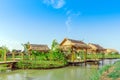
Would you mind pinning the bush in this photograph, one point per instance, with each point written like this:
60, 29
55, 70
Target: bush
39, 64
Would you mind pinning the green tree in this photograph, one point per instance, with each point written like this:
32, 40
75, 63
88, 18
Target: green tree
3, 52
55, 45
26, 49
56, 54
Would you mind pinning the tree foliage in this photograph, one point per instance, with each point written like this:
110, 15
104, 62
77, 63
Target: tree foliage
55, 45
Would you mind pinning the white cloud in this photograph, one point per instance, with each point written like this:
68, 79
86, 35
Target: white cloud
68, 24
55, 3
69, 20
68, 12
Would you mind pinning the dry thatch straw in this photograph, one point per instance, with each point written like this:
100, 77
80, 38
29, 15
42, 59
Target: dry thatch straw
39, 47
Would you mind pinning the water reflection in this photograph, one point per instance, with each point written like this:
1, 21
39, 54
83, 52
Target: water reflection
80, 72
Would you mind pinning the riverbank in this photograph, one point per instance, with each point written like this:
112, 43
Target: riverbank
108, 72
3, 68
113, 73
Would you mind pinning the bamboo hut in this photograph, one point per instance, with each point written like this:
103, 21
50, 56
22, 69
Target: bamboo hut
17, 52
95, 48
111, 51
74, 46
39, 47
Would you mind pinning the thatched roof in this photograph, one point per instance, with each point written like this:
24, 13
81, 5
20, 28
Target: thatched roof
76, 43
95, 47
111, 51
39, 47
16, 52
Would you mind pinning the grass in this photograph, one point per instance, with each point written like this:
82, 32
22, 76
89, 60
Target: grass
3, 68
99, 73
116, 72
100, 56
33, 64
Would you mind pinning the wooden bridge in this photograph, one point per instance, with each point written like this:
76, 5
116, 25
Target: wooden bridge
10, 64
77, 62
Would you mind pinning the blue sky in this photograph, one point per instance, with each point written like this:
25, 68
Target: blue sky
41, 21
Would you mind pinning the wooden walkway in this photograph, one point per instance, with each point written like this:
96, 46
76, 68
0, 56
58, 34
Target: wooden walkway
10, 64
76, 62
7, 62
93, 60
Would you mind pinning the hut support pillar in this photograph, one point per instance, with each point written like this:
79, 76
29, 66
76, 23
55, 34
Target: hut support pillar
103, 56
5, 57
13, 56
22, 56
96, 56
85, 59
73, 55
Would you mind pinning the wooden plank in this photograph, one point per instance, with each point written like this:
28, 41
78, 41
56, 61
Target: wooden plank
6, 62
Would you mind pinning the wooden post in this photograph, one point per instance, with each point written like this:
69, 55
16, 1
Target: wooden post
72, 55
5, 55
13, 56
22, 56
85, 59
96, 56
29, 54
103, 58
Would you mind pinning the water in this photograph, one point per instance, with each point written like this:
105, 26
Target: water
67, 73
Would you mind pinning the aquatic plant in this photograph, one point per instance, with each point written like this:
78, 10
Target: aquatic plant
98, 74
116, 72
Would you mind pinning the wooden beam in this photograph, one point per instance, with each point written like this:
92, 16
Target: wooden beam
72, 54
5, 55
85, 56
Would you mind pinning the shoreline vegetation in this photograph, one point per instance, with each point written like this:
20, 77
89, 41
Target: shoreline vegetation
108, 72
3, 68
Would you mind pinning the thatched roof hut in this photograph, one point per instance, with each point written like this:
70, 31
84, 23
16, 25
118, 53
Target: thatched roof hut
74, 46
95, 47
16, 52
39, 47
111, 51
74, 43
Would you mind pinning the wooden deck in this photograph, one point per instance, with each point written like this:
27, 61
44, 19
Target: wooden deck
93, 60
76, 62
10, 64
7, 62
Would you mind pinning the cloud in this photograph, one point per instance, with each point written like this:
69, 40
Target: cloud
69, 19
55, 3
68, 12
68, 23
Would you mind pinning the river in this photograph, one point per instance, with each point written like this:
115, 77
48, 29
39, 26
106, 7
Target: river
80, 72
